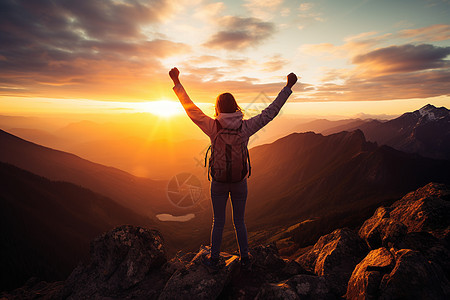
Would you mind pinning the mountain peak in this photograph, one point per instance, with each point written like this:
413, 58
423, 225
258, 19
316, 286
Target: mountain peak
428, 107
433, 113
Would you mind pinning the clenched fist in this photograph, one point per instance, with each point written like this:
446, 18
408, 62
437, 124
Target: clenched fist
174, 73
291, 80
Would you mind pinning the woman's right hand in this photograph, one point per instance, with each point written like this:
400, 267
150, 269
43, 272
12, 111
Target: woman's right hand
174, 73
291, 80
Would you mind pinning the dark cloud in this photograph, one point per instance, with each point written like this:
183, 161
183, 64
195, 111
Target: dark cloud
405, 58
50, 43
396, 72
240, 33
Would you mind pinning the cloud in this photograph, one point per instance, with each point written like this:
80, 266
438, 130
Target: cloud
354, 45
275, 63
264, 9
70, 48
405, 58
240, 33
209, 11
433, 33
307, 13
305, 6
394, 72
387, 87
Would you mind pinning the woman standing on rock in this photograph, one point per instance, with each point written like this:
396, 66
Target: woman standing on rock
228, 167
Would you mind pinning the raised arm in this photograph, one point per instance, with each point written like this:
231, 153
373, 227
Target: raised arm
257, 122
205, 123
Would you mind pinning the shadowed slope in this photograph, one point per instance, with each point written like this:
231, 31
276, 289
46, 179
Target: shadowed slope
47, 225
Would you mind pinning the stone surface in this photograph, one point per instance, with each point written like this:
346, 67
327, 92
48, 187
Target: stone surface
426, 209
119, 259
311, 287
366, 277
268, 267
277, 291
196, 281
334, 256
381, 230
297, 287
35, 289
413, 277
432, 248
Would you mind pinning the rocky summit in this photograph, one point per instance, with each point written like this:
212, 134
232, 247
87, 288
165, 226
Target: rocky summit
401, 252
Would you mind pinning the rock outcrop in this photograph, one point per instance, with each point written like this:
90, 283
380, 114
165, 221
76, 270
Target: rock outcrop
426, 209
403, 274
334, 257
120, 260
195, 281
367, 275
410, 251
401, 252
298, 287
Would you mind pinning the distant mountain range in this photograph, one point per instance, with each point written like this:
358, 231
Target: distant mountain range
425, 131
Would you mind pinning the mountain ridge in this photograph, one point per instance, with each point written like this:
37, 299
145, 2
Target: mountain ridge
59, 165
425, 131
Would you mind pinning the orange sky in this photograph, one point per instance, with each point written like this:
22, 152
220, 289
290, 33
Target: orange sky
72, 57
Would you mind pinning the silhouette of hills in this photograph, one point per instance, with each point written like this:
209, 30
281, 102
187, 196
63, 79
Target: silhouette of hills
47, 225
39, 136
143, 195
326, 126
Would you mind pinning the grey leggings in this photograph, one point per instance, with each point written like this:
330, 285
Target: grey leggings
219, 197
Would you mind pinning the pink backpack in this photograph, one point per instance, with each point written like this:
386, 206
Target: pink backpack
229, 155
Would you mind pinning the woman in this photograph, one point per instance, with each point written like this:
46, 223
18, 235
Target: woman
230, 116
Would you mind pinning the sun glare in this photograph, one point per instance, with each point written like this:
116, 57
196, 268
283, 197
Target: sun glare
163, 108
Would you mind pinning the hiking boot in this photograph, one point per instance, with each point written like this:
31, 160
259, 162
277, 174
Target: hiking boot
246, 263
211, 263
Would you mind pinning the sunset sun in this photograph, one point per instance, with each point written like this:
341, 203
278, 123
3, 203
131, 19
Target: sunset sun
163, 108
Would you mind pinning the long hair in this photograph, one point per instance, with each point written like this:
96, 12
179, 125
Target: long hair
225, 103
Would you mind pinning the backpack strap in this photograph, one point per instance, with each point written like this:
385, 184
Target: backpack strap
219, 127
206, 155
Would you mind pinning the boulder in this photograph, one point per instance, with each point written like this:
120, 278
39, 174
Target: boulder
432, 248
34, 289
414, 277
430, 214
277, 291
297, 287
424, 210
268, 267
311, 287
119, 259
381, 230
267, 257
334, 256
196, 281
366, 277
